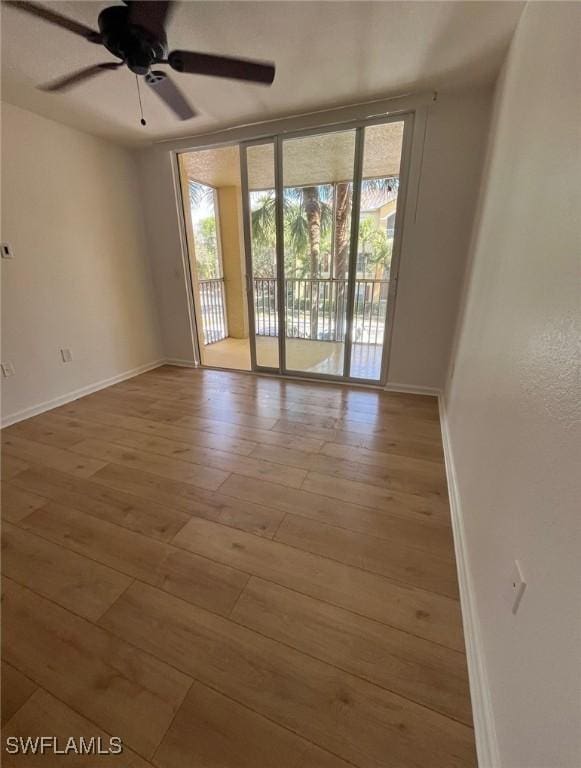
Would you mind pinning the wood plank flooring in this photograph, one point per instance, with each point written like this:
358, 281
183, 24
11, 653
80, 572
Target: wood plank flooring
232, 571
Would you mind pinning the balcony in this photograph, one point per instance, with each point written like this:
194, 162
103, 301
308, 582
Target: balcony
315, 326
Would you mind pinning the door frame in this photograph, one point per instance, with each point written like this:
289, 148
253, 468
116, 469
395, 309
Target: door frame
243, 146
191, 259
277, 140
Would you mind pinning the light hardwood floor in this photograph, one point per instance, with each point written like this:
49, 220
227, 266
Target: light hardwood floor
233, 571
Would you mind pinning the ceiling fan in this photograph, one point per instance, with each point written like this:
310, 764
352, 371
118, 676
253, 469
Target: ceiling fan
135, 34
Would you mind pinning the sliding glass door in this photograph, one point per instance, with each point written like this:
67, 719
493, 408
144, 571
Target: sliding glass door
375, 268
317, 201
260, 237
322, 230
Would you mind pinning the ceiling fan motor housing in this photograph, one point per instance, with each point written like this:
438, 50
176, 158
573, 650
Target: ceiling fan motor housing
137, 46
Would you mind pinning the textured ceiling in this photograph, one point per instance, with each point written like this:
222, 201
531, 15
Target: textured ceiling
216, 167
316, 159
327, 54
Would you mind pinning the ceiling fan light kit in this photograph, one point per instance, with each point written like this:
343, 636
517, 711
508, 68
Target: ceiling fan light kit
135, 34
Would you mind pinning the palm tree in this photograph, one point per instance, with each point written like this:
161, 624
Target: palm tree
263, 231
307, 218
341, 239
204, 230
343, 197
342, 233
200, 194
375, 247
341, 250
312, 207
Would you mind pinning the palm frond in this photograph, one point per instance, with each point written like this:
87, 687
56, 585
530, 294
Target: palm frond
263, 219
200, 194
297, 228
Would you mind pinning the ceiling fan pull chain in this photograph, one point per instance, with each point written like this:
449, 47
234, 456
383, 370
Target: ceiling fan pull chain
140, 104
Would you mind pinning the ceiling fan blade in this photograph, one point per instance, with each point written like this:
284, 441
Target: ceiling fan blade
63, 83
149, 14
170, 94
55, 18
222, 66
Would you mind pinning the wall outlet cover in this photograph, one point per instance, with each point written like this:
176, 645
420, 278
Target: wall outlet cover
66, 355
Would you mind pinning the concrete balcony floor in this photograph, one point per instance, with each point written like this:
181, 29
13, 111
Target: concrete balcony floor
302, 355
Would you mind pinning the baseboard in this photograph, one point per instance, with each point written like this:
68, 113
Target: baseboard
484, 727
34, 410
180, 363
390, 387
412, 389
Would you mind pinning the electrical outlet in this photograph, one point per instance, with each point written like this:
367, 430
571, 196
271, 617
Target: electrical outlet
6, 251
517, 585
66, 355
7, 370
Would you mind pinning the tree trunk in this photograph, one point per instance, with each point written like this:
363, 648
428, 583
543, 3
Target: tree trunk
341, 252
313, 212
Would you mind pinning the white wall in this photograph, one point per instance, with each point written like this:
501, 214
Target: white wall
80, 278
514, 400
436, 239
435, 248
165, 252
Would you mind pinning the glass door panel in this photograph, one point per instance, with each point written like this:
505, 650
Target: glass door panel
209, 271
382, 151
260, 229
317, 202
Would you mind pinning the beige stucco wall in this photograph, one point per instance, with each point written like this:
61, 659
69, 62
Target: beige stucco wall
230, 217
387, 209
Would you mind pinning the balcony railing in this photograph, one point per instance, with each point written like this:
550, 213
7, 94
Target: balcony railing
316, 309
213, 303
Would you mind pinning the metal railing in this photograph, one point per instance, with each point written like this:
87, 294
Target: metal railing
370, 311
316, 309
266, 306
213, 305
